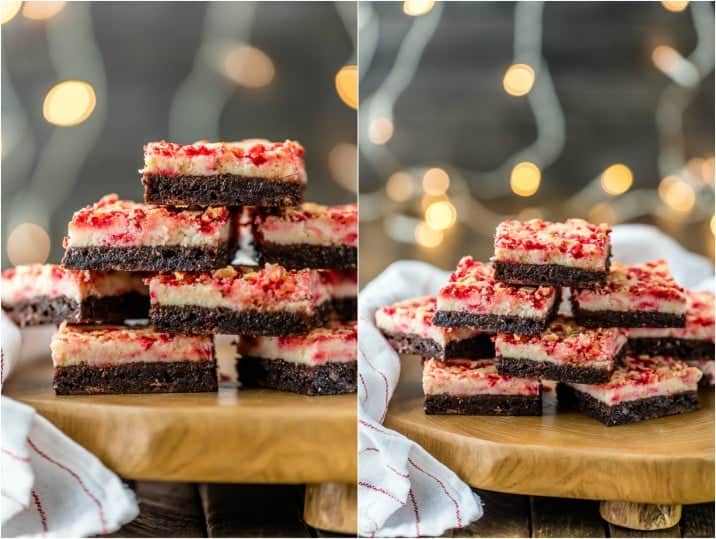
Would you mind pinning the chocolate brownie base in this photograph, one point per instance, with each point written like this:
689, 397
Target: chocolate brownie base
497, 323
527, 368
160, 377
149, 258
549, 274
205, 320
478, 347
114, 309
331, 378
221, 190
629, 411
46, 310
673, 347
626, 319
303, 255
483, 405
345, 309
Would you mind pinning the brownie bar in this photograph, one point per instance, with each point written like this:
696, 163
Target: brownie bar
205, 320
548, 274
478, 347
332, 378
626, 319
510, 405
345, 309
156, 377
629, 411
495, 322
47, 310
299, 256
672, 346
527, 368
221, 190
149, 258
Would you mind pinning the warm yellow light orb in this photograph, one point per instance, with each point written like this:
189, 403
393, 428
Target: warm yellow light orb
28, 243
677, 194
8, 10
380, 130
69, 103
525, 179
675, 5
347, 85
617, 179
603, 213
400, 187
417, 7
518, 79
436, 181
440, 215
249, 67
343, 162
40, 11
427, 236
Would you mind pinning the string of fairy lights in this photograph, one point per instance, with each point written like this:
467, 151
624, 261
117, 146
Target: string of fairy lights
225, 59
421, 202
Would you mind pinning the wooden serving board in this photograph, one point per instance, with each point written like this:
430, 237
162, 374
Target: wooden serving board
566, 454
239, 436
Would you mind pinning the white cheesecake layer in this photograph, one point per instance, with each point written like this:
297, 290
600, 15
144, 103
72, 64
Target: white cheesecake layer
464, 378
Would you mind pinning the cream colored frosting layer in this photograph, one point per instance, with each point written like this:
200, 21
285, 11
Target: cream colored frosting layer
464, 377
49, 280
338, 344
252, 158
99, 346
312, 224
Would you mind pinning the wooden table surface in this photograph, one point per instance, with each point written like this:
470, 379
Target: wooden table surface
225, 510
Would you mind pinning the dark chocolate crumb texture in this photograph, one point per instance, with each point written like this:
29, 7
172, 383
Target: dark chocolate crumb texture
331, 378
507, 405
136, 377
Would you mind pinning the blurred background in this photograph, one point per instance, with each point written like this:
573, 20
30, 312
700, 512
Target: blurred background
473, 112
86, 84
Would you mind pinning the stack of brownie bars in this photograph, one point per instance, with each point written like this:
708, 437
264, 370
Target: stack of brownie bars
170, 260
623, 343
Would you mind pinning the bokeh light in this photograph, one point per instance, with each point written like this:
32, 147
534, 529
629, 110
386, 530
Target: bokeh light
707, 170
675, 5
249, 67
525, 179
380, 130
347, 85
400, 187
40, 11
712, 224
677, 194
518, 79
617, 179
343, 162
8, 10
28, 243
427, 236
69, 103
603, 212
530, 213
417, 7
440, 215
436, 181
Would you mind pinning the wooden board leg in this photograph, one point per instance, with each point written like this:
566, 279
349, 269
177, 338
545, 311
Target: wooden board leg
641, 516
332, 507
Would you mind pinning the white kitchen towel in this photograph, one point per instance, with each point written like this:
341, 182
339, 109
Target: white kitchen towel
51, 486
403, 490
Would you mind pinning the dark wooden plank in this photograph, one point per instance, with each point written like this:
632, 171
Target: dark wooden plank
559, 517
506, 515
253, 510
697, 520
165, 510
618, 531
